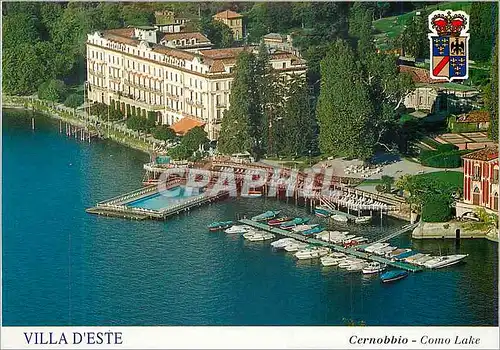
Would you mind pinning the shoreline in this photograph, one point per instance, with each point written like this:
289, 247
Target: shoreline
69, 116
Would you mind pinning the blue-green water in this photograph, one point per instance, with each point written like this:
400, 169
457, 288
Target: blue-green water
62, 266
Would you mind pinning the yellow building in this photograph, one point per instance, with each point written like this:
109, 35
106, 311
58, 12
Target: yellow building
176, 76
233, 20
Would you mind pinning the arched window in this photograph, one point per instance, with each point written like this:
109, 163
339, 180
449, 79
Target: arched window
495, 201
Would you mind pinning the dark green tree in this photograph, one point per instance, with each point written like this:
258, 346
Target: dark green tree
297, 120
73, 100
492, 101
219, 34
52, 90
483, 26
237, 124
163, 132
414, 40
195, 138
344, 107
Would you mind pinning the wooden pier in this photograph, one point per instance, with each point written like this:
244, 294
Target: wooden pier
350, 251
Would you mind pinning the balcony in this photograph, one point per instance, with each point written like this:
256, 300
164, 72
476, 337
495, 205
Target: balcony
220, 105
96, 73
198, 104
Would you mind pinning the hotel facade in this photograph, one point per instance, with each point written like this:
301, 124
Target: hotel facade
177, 76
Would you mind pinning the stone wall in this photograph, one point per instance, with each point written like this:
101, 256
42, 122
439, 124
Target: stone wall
435, 230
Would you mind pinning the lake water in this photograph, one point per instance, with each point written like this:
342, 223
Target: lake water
62, 266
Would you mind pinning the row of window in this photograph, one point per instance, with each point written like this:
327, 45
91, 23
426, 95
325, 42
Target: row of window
477, 173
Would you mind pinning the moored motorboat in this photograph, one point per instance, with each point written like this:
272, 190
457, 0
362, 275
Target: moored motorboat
278, 221
376, 246
219, 225
396, 252
357, 267
350, 261
413, 258
301, 228
268, 215
406, 255
373, 267
384, 251
294, 222
252, 194
339, 218
282, 243
261, 236
444, 261
296, 246
250, 233
323, 212
421, 261
313, 230
312, 253
393, 275
363, 219
237, 229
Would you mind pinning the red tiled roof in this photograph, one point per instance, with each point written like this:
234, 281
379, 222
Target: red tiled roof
185, 124
228, 14
193, 35
127, 32
485, 154
419, 75
474, 117
231, 52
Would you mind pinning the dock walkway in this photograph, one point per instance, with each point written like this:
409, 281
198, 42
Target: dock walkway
350, 251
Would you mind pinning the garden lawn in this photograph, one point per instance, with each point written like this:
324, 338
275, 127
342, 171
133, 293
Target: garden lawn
455, 178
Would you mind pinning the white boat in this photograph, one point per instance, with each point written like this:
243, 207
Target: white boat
296, 246
301, 228
423, 260
415, 257
376, 246
350, 261
444, 261
363, 219
396, 252
312, 253
373, 267
282, 243
340, 218
330, 260
261, 236
250, 233
384, 251
237, 229
357, 267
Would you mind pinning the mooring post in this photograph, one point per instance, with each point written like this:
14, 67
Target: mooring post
32, 123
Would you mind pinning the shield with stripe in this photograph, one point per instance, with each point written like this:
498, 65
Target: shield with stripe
449, 45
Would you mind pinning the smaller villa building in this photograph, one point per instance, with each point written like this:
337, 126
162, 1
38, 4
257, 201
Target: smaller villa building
480, 181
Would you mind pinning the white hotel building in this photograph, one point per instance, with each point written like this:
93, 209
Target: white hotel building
175, 75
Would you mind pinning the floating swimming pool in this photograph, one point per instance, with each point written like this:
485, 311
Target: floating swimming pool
164, 199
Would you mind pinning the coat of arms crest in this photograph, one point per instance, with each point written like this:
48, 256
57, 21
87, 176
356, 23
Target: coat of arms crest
449, 45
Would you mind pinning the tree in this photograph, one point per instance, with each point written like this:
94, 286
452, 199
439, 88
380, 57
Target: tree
360, 27
134, 14
297, 120
492, 101
195, 138
73, 100
483, 18
136, 122
344, 107
163, 132
52, 90
236, 128
180, 152
219, 33
414, 40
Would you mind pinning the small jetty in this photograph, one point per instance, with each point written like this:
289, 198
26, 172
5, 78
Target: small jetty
350, 251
